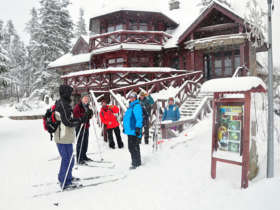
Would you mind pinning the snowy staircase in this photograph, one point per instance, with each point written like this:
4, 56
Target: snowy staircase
189, 107
188, 110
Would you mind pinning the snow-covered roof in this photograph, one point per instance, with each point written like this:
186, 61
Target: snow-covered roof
226, 39
188, 14
125, 46
69, 59
125, 69
232, 84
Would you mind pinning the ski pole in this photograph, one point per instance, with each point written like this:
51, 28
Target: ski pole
98, 145
81, 144
71, 159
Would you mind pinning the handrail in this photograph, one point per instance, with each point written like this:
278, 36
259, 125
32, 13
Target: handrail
96, 107
203, 108
238, 69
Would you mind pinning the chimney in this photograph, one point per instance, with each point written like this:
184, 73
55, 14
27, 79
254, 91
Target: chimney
174, 4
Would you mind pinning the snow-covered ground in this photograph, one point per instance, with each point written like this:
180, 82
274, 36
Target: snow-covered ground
177, 176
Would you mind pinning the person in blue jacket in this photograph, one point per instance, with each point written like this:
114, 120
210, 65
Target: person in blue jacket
132, 125
172, 111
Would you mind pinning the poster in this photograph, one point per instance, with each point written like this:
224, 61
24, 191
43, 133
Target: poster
229, 128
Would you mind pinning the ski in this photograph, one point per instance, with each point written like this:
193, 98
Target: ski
99, 165
81, 179
82, 186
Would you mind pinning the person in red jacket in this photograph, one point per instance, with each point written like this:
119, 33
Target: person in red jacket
110, 120
82, 144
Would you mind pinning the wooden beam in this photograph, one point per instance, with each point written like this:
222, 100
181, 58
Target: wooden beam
217, 27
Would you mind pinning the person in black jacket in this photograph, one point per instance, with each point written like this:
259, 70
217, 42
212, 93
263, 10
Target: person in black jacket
65, 134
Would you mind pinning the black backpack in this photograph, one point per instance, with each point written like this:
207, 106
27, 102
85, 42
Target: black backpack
49, 121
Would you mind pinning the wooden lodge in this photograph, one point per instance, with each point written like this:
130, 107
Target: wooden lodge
131, 46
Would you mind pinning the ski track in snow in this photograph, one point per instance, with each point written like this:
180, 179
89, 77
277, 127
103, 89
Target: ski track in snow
177, 176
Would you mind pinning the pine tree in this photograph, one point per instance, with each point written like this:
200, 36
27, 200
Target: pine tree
80, 27
255, 22
50, 29
56, 29
3, 53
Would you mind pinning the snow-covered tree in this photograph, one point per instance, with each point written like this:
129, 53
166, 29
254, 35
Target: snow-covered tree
255, 22
80, 27
205, 3
15, 50
3, 58
56, 29
50, 29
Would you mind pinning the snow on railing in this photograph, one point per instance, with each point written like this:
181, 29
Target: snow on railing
96, 107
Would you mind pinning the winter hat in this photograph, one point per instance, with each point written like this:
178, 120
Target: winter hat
171, 99
142, 94
132, 95
65, 91
84, 94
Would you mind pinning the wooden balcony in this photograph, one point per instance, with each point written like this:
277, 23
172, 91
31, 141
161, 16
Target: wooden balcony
128, 36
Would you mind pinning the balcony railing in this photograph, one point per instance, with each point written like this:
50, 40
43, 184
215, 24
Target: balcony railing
127, 36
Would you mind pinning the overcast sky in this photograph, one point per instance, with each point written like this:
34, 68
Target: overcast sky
19, 12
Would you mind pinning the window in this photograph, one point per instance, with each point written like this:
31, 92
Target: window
218, 65
236, 59
120, 60
111, 61
175, 62
139, 61
143, 27
228, 64
224, 64
111, 28
115, 62
119, 27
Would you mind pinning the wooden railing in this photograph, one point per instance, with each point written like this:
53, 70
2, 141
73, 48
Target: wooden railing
201, 111
189, 88
128, 36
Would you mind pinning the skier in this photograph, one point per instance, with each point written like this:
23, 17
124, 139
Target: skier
111, 123
146, 102
132, 124
82, 144
172, 111
65, 134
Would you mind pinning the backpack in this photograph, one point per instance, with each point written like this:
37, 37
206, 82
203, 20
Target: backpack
49, 121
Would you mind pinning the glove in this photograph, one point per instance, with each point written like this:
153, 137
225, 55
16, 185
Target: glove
90, 114
137, 131
84, 119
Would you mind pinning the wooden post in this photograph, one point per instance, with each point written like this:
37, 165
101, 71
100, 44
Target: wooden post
246, 141
213, 160
213, 168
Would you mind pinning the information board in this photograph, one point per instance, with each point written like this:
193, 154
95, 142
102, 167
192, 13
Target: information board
229, 128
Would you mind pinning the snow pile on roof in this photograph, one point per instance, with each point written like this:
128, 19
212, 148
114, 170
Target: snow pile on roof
184, 16
124, 69
124, 46
69, 59
234, 84
119, 5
